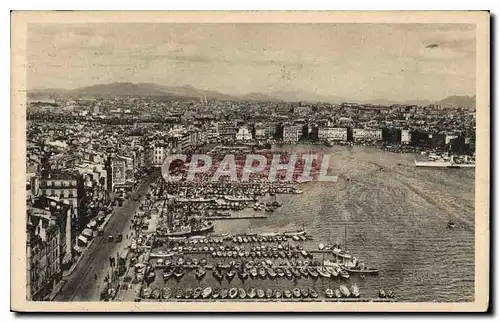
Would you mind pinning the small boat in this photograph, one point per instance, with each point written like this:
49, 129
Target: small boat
251, 293
450, 224
243, 274
217, 275
188, 294
206, 292
323, 272
179, 294
345, 291
233, 292
295, 272
197, 293
304, 253
262, 272
303, 272
287, 293
296, 293
179, 273
230, 275
203, 261
381, 293
215, 293
224, 293
253, 272
242, 293
333, 272
269, 293
294, 233
337, 293
329, 293
355, 290
390, 294
321, 246
344, 274
260, 293
240, 240
245, 240
278, 293
271, 272
313, 293
200, 273
168, 274
303, 238
304, 292
280, 272
312, 272
166, 293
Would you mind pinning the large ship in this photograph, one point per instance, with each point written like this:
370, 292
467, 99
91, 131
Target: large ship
442, 163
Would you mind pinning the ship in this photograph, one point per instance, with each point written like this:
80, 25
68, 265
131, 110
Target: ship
441, 163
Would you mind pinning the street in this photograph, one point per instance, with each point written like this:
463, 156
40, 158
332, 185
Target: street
82, 285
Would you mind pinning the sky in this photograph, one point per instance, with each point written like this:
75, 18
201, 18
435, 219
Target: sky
353, 61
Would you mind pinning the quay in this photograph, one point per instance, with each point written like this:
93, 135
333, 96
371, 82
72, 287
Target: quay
317, 300
237, 217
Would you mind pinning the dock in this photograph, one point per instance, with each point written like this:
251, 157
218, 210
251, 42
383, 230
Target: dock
236, 217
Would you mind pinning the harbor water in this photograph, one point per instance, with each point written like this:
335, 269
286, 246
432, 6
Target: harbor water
395, 215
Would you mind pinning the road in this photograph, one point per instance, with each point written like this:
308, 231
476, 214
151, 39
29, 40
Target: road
82, 285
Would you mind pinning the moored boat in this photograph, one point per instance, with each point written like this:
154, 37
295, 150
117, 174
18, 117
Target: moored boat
241, 292
355, 290
278, 293
323, 272
287, 293
224, 293
233, 292
251, 293
296, 293
345, 291
312, 271
304, 292
337, 293
197, 293
166, 293
206, 292
260, 293
329, 293
313, 293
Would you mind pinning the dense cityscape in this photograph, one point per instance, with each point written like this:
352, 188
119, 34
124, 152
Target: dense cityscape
94, 188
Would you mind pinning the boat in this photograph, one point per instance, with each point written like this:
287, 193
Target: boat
253, 272
271, 272
260, 293
362, 270
179, 273
294, 233
206, 292
304, 253
215, 293
296, 237
188, 293
233, 292
295, 272
243, 274
230, 275
262, 272
321, 246
240, 240
303, 271
269, 293
355, 290
242, 293
287, 293
200, 273
217, 275
344, 274
312, 271
224, 293
381, 293
168, 274
278, 293
280, 272
332, 270
323, 272
166, 293
296, 293
197, 293
304, 292
313, 293
337, 293
288, 274
329, 293
345, 291
251, 293
390, 294
450, 224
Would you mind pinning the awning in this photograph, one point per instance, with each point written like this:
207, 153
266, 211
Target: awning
82, 239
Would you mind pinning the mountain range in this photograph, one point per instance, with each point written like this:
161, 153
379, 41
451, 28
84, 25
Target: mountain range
190, 92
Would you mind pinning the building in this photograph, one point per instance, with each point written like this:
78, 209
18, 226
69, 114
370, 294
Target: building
243, 134
405, 137
327, 133
367, 135
292, 133
227, 130
119, 172
60, 186
49, 245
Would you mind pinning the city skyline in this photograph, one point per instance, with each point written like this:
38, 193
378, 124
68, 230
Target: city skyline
389, 61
